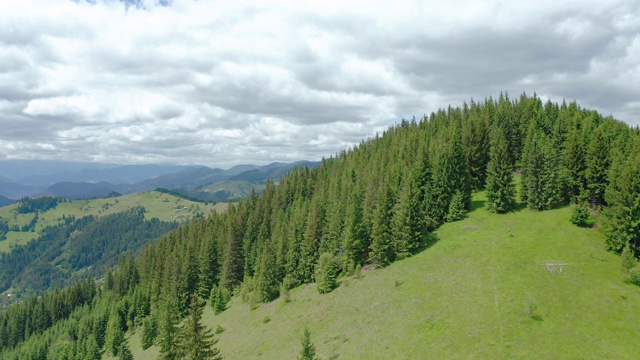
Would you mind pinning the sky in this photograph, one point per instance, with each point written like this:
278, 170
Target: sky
222, 83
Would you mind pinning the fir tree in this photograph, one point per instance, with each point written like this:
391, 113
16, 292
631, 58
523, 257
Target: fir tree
197, 340
500, 188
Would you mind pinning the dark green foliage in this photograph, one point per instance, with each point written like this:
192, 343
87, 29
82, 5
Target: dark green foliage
381, 246
124, 353
197, 340
456, 208
327, 273
169, 334
356, 232
43, 203
581, 216
575, 164
597, 167
408, 224
267, 282
115, 333
149, 331
501, 195
308, 351
622, 225
450, 176
219, 299
540, 175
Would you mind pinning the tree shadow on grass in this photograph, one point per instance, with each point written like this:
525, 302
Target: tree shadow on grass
520, 206
477, 204
429, 240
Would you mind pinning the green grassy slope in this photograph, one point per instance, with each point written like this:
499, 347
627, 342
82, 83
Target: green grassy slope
480, 292
159, 205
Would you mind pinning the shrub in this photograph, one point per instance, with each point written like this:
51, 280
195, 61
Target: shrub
581, 216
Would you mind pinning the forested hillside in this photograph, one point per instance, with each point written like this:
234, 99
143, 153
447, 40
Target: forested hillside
374, 204
90, 244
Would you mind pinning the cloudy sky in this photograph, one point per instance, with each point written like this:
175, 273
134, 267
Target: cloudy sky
221, 83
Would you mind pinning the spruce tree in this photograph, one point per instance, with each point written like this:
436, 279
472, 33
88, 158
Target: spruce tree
575, 164
326, 273
622, 225
115, 335
124, 353
501, 197
92, 351
542, 173
597, 167
197, 340
267, 282
149, 331
168, 337
308, 351
456, 208
405, 223
381, 245
356, 231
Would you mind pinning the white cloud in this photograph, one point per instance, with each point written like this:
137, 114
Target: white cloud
222, 83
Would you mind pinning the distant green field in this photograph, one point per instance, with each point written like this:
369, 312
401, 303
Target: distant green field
483, 291
158, 205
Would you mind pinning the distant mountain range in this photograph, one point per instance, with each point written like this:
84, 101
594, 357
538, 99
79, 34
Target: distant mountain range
90, 180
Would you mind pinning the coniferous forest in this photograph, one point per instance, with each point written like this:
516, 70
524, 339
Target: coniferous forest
376, 203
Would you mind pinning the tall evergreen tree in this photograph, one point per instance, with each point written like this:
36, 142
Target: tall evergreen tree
115, 334
381, 245
501, 197
407, 224
197, 340
574, 163
622, 225
267, 282
597, 166
356, 231
168, 337
149, 331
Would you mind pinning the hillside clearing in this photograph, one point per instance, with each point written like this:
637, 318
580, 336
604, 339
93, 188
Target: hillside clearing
479, 292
